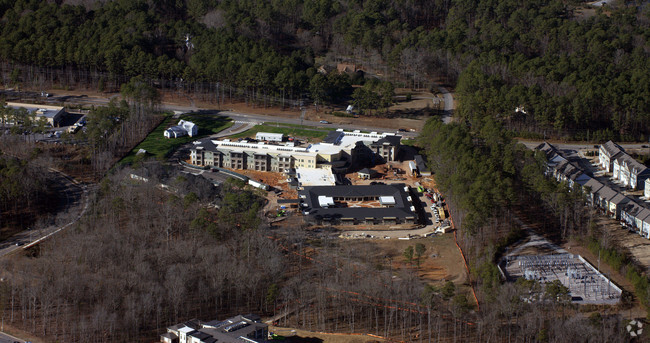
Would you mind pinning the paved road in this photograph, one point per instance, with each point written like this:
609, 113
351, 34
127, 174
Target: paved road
449, 104
6, 338
74, 204
236, 116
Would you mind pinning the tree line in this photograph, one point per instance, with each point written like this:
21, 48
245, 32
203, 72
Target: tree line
572, 74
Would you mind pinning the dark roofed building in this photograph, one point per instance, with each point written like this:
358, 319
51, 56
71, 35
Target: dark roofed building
422, 166
351, 205
237, 329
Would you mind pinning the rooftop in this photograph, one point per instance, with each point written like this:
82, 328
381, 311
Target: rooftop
393, 194
315, 177
39, 110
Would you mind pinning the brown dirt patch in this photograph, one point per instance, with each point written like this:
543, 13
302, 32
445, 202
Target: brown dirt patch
272, 179
441, 261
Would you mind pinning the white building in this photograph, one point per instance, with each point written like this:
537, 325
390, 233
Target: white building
606, 155
269, 137
184, 128
339, 150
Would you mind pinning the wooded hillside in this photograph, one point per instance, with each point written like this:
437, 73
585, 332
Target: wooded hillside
572, 73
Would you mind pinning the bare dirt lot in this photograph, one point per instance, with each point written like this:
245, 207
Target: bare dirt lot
441, 261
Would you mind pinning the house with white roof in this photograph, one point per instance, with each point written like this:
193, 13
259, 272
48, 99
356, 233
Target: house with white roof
184, 128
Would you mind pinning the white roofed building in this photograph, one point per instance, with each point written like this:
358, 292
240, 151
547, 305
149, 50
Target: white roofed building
184, 128
269, 137
337, 152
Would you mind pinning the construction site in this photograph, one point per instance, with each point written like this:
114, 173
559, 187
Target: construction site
585, 283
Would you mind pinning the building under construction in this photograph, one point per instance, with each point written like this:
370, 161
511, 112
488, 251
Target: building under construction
585, 283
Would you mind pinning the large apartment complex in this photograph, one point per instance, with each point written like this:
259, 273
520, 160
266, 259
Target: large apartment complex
338, 151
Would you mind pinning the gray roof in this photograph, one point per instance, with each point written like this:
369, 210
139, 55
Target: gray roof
594, 185
635, 166
606, 193
420, 163
619, 199
402, 208
611, 149
548, 149
632, 209
644, 215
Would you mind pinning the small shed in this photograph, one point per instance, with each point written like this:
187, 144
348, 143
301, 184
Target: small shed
366, 173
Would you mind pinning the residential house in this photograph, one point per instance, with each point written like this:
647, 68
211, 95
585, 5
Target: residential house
616, 204
591, 188
606, 155
630, 172
629, 213
643, 220
184, 128
603, 196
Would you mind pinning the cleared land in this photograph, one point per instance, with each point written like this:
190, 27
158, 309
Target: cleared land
157, 145
286, 130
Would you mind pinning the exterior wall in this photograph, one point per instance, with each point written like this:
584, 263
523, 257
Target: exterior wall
612, 208
305, 161
604, 159
624, 174
646, 189
616, 170
237, 160
645, 232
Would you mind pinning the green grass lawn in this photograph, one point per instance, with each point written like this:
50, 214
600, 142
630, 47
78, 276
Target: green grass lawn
316, 128
288, 131
157, 145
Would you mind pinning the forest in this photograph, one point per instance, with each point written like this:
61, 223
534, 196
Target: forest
572, 73
193, 251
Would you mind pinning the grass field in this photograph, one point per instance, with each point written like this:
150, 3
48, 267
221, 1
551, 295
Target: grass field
289, 131
157, 145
